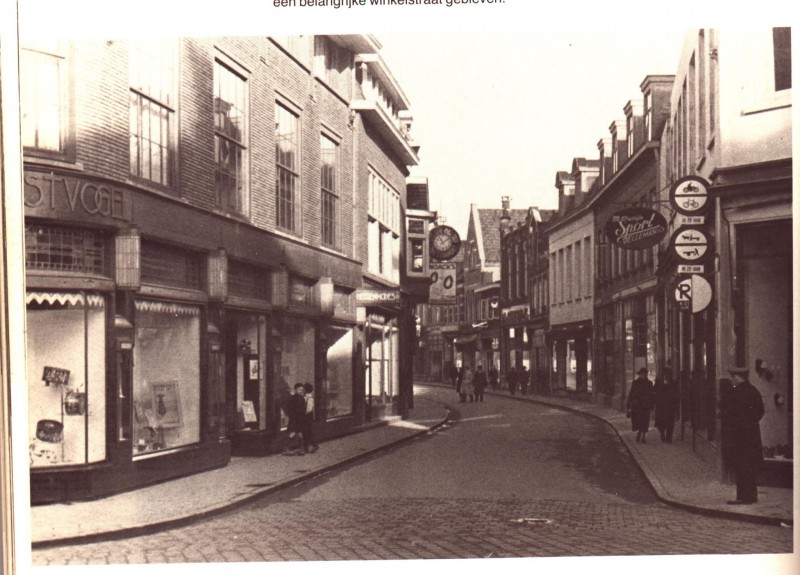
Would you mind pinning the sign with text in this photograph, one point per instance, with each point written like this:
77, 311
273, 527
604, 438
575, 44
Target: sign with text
443, 283
636, 228
53, 194
379, 297
55, 375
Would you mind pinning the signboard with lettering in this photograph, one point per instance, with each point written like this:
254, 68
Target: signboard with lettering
379, 297
443, 283
636, 228
52, 194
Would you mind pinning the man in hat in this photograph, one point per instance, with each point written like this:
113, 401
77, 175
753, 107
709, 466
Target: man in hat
744, 411
640, 403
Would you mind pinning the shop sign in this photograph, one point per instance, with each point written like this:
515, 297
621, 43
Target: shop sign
693, 293
55, 375
54, 194
636, 228
381, 297
689, 196
690, 244
443, 283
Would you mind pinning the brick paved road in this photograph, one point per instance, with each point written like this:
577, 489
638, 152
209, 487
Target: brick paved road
506, 480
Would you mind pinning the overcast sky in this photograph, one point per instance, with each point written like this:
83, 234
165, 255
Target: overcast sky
500, 113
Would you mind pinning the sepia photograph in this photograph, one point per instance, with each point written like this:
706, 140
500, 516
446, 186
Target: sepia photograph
444, 285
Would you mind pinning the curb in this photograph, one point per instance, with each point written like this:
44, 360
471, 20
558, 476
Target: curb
149, 529
750, 518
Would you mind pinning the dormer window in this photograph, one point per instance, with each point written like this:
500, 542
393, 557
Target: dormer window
648, 116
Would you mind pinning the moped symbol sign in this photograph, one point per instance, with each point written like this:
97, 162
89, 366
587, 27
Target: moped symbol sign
689, 196
690, 244
693, 293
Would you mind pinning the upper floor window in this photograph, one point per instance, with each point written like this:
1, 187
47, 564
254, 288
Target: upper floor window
614, 153
152, 110
230, 139
287, 147
648, 116
333, 63
782, 46
42, 79
384, 228
329, 172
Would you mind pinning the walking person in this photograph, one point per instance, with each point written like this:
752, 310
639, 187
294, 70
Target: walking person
459, 383
295, 411
511, 379
640, 402
309, 442
665, 395
480, 383
745, 410
494, 377
523, 378
468, 384
453, 373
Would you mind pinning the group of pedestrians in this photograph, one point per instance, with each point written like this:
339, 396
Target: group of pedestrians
521, 378
299, 409
472, 385
741, 408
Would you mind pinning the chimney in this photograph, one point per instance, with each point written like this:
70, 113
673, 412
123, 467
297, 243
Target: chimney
505, 219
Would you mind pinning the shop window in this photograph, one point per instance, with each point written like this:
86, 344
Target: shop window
66, 378
297, 359
246, 364
166, 378
165, 265
231, 138
336, 398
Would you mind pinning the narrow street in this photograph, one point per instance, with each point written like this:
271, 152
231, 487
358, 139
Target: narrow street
504, 479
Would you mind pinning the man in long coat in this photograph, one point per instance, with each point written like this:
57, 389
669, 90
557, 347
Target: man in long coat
666, 403
640, 403
744, 411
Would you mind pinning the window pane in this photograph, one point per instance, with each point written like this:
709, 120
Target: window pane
41, 105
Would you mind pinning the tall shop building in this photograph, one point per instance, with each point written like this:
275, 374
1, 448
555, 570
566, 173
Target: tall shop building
199, 215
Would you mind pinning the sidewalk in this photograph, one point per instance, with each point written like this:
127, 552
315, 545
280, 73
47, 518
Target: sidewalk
182, 500
678, 475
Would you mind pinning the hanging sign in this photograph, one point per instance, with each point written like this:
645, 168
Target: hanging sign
690, 244
443, 283
693, 293
636, 228
689, 196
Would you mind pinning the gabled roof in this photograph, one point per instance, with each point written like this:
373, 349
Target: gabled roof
487, 231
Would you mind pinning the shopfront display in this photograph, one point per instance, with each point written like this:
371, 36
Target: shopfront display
66, 367
336, 398
382, 360
297, 358
166, 378
246, 381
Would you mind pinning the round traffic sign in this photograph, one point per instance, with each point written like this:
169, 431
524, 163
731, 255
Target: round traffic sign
693, 293
689, 244
689, 195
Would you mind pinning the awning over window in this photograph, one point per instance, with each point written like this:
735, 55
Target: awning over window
65, 299
166, 307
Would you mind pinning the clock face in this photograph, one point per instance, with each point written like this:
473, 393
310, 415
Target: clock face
444, 243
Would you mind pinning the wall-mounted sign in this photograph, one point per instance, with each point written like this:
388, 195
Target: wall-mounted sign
444, 243
443, 283
693, 293
636, 228
689, 244
689, 196
50, 194
381, 297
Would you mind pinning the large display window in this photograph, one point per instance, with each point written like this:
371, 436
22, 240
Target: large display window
337, 390
247, 368
297, 359
66, 378
383, 362
166, 376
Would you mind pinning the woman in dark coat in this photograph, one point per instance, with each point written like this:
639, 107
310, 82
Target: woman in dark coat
666, 404
640, 402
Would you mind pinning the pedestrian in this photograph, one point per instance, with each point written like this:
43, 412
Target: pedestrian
523, 378
453, 373
640, 402
459, 383
665, 396
295, 412
745, 410
468, 384
511, 379
480, 383
309, 442
494, 377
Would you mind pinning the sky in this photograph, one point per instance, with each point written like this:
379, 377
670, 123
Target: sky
498, 114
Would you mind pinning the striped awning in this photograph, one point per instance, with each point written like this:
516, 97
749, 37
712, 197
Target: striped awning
70, 299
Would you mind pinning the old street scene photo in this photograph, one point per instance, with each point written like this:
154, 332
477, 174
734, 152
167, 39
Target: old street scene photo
388, 296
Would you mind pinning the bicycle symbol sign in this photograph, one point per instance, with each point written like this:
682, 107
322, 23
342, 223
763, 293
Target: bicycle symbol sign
689, 195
